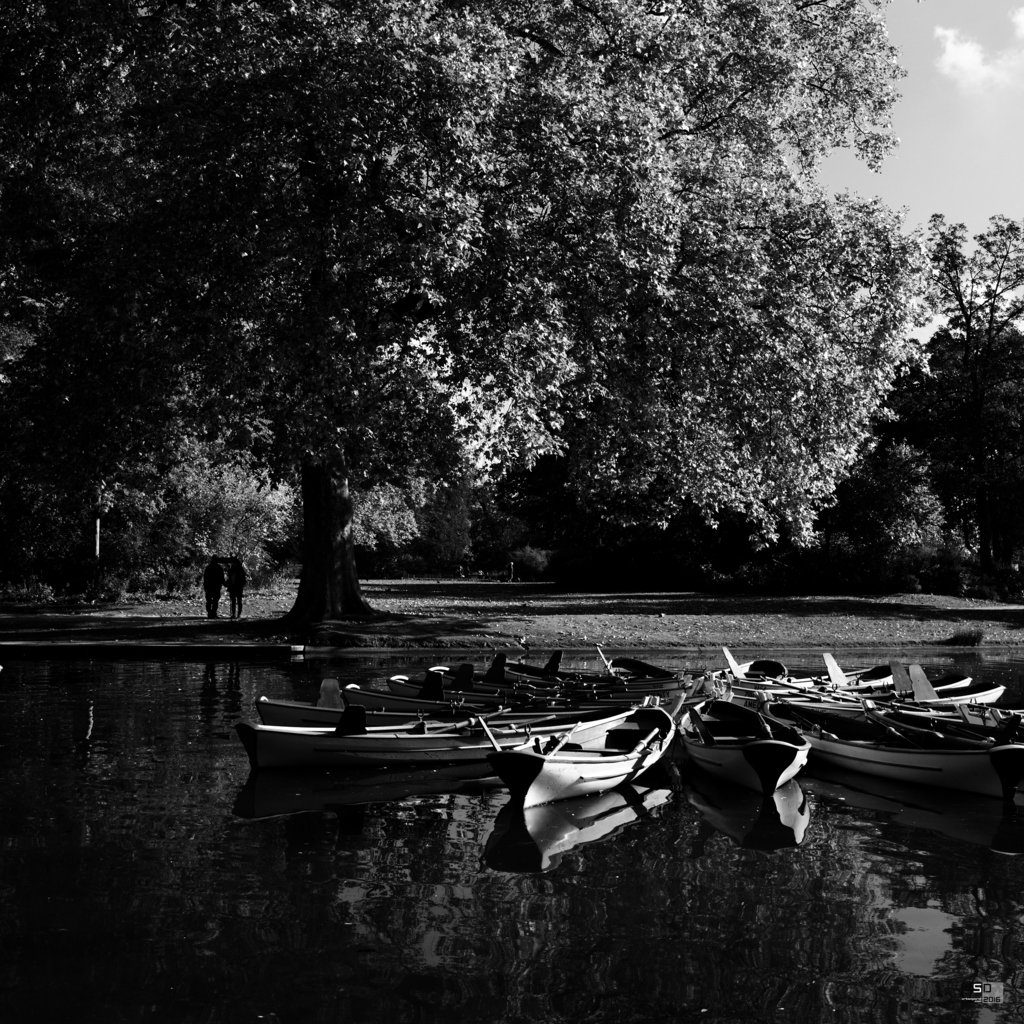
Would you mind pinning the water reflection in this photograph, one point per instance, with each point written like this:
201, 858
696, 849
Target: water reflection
272, 792
222, 690
962, 816
755, 821
131, 890
535, 838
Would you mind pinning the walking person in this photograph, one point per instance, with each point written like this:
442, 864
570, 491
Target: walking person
236, 584
213, 583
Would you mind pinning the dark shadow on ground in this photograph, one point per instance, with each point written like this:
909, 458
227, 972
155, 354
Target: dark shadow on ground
97, 626
539, 600
421, 610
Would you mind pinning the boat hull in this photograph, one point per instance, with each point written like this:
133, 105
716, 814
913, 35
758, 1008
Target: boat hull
760, 765
309, 716
270, 746
536, 777
738, 745
993, 772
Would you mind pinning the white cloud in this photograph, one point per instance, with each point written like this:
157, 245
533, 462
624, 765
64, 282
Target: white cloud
974, 71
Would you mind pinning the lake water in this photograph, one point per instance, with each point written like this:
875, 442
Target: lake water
144, 876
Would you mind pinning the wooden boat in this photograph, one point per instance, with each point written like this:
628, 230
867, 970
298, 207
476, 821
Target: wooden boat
310, 716
617, 669
978, 720
759, 670
878, 680
902, 684
440, 684
390, 711
951, 713
753, 821
877, 746
537, 773
739, 745
533, 839
333, 700
352, 743
416, 706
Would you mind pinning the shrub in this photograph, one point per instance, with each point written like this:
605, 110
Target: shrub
530, 563
30, 591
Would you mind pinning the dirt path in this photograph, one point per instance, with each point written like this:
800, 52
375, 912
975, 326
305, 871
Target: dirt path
470, 613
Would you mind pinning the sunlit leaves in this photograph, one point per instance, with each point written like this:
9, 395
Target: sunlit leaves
403, 236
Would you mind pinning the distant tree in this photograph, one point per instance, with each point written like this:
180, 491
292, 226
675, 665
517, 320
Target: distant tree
967, 408
887, 507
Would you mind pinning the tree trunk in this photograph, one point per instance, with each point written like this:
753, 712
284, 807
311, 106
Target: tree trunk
329, 583
984, 520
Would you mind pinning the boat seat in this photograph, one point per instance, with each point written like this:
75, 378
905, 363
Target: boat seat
330, 695
766, 667
463, 679
433, 687
496, 671
352, 721
621, 739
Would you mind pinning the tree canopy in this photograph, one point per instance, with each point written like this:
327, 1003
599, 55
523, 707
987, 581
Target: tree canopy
357, 241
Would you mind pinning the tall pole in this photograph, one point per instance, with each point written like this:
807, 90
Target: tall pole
96, 545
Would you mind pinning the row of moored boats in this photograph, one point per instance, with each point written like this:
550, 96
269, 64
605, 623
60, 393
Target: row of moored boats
550, 733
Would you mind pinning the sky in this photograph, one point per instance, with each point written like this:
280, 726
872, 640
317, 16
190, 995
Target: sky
959, 120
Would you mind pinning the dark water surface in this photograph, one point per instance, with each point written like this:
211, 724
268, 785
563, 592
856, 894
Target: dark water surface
144, 876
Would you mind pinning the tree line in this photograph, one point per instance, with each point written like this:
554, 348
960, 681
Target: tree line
455, 279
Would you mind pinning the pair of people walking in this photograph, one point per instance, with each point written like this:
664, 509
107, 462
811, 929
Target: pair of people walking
221, 573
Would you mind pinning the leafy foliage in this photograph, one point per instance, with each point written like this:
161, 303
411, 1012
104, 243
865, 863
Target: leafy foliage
967, 407
425, 238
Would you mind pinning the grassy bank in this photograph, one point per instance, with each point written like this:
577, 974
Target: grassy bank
471, 613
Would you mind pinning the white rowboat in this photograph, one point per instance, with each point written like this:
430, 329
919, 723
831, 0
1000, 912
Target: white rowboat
738, 745
538, 773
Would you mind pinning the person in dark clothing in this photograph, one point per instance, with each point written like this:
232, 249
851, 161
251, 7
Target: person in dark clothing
213, 582
236, 584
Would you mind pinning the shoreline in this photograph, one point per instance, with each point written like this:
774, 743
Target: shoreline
441, 614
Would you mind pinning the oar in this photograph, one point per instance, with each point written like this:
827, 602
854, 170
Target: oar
734, 667
607, 663
562, 742
677, 709
878, 717
923, 689
475, 718
836, 676
645, 741
702, 730
900, 677
490, 735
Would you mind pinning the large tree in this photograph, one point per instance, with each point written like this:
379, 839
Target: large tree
388, 235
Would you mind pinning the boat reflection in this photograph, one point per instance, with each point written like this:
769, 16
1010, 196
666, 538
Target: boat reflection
754, 821
983, 821
270, 792
533, 839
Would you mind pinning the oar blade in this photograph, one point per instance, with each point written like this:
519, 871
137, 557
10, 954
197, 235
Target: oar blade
836, 676
923, 689
733, 664
900, 676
